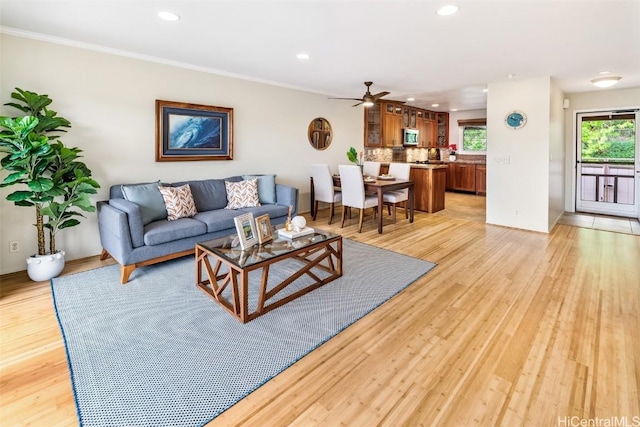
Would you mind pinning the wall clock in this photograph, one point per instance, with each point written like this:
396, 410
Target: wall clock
515, 119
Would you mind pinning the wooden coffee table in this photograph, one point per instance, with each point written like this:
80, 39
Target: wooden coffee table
227, 270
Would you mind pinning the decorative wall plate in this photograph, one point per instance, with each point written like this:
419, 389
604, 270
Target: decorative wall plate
515, 119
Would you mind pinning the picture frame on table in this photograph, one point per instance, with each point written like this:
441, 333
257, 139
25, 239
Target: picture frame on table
246, 228
192, 132
264, 229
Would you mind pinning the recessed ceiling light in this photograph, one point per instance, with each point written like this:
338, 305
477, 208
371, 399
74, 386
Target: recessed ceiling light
454, 109
168, 16
303, 56
448, 10
435, 105
510, 76
485, 90
411, 99
605, 81
604, 72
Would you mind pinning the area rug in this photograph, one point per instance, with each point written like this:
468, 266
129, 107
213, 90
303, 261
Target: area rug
160, 352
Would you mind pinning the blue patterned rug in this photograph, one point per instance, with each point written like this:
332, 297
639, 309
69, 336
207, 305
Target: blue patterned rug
160, 352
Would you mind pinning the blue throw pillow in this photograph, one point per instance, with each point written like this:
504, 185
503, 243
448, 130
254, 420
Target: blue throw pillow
149, 198
266, 187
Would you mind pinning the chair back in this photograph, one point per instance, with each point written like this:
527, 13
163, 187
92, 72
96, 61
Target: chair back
352, 186
400, 171
371, 168
322, 183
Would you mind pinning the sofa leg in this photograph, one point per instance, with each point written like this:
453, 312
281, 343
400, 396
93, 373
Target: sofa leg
104, 255
125, 272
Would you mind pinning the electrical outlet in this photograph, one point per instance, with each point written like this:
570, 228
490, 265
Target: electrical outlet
14, 246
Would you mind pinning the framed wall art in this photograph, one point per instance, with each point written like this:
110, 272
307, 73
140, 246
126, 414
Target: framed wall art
246, 228
191, 132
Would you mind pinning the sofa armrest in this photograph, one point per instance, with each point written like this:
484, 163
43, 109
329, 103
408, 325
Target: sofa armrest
288, 196
133, 219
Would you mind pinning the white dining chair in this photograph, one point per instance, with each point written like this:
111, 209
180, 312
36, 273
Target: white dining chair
393, 198
323, 189
353, 195
371, 169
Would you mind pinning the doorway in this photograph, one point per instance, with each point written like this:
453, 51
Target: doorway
607, 147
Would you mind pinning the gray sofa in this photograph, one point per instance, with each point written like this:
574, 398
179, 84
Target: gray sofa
134, 237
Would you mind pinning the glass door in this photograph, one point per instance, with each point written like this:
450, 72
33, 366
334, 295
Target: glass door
608, 161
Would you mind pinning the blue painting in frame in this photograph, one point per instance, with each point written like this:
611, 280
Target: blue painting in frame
191, 132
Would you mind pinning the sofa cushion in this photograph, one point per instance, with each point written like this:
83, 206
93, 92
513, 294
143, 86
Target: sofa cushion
148, 197
242, 194
219, 219
208, 194
159, 232
266, 187
178, 201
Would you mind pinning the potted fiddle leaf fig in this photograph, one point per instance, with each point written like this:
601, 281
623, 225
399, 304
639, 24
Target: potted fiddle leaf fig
51, 178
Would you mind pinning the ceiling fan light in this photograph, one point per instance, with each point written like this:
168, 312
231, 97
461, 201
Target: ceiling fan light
606, 81
367, 104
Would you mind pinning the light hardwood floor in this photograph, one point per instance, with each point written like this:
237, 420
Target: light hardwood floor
512, 328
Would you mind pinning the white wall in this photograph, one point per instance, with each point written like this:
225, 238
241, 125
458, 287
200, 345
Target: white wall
110, 102
589, 101
518, 160
556, 156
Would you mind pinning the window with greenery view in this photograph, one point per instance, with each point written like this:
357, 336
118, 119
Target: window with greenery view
474, 139
608, 139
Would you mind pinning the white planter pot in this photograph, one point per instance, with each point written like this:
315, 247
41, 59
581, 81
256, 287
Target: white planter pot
452, 157
44, 267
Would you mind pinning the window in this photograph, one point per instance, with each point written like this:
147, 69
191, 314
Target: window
473, 136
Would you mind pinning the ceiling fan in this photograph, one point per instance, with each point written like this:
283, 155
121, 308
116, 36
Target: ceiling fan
367, 100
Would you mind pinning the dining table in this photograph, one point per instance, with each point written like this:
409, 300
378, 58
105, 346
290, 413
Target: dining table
379, 186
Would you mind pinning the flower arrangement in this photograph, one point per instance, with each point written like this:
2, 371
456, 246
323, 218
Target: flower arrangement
453, 148
354, 156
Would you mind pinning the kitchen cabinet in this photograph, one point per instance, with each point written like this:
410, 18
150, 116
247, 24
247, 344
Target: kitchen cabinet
372, 127
391, 124
426, 133
383, 124
461, 176
442, 130
481, 179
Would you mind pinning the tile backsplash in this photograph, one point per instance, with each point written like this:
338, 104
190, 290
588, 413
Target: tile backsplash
410, 154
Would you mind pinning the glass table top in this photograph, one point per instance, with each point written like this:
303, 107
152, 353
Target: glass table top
258, 253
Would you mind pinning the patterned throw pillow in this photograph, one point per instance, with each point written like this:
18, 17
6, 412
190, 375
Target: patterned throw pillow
179, 202
242, 194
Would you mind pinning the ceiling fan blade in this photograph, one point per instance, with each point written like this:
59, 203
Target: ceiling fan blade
355, 105
380, 95
350, 99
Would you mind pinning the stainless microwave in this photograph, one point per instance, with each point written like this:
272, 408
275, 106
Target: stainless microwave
409, 136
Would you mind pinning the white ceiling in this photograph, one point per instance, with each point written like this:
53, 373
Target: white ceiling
400, 45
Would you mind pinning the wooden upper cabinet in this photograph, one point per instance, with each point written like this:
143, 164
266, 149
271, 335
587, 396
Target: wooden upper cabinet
385, 120
372, 127
442, 130
391, 130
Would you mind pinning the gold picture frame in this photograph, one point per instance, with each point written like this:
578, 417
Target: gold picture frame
246, 228
192, 132
264, 229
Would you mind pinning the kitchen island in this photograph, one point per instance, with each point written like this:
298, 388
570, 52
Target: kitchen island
430, 181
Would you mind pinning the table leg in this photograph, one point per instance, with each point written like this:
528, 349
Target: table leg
380, 210
411, 203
